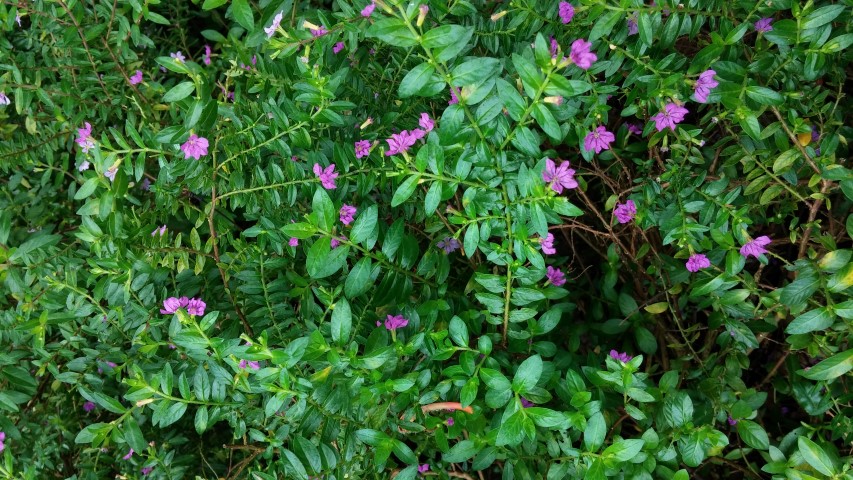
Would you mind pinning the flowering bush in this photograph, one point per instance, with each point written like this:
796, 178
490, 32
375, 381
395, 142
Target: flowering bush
528, 239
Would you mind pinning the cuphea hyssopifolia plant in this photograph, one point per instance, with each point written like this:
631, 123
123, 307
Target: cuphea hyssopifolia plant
378, 241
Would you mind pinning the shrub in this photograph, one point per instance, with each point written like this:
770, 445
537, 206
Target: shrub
525, 239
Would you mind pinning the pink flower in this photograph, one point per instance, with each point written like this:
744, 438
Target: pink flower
111, 173
347, 212
319, 32
89, 406
178, 56
4, 100
368, 10
170, 306
423, 468
338, 47
136, 79
453, 98
525, 403
555, 276
547, 244
426, 123
147, 470
704, 85
671, 115
731, 421
393, 322
697, 262
195, 147
599, 139
276, 21
755, 247
207, 52
633, 128
633, 27
327, 176
2, 439
622, 357
400, 142
567, 12
763, 25
129, 454
161, 230
196, 307
362, 148
581, 55
84, 137
293, 242
251, 364
625, 212
450, 422
336, 241
554, 47
448, 244
559, 177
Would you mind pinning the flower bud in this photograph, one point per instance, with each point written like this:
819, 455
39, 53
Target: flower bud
499, 15
309, 25
555, 100
366, 123
422, 15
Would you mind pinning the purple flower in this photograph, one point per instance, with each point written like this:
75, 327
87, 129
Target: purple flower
454, 99
622, 357
18, 19
207, 52
179, 57
147, 470
581, 55
422, 13
669, 116
293, 242
547, 244
423, 468
184, 301
394, 322
129, 454
89, 406
136, 79
327, 176
567, 12
554, 47
426, 123
111, 173
763, 25
171, 305
251, 364
555, 276
625, 212
347, 212
319, 32
704, 85
196, 307
815, 133
2, 439
146, 184
697, 262
276, 21
400, 142
731, 421
335, 241
525, 403
598, 139
4, 100
368, 10
362, 148
449, 244
559, 177
161, 230
450, 422
633, 27
195, 147
755, 247
338, 47
633, 128
84, 137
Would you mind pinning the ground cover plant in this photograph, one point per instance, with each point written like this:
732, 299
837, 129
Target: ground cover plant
521, 239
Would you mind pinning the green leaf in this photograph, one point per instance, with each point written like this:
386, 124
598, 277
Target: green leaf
461, 452
358, 281
415, 82
179, 92
527, 375
816, 457
433, 198
624, 450
324, 209
211, 4
458, 331
833, 367
364, 225
201, 419
764, 95
471, 240
474, 71
86, 189
300, 230
405, 190
515, 105
393, 32
604, 25
242, 13
546, 120
593, 434
530, 75
511, 431
133, 435
822, 16
404, 453
341, 321
322, 261
371, 437
753, 434
811, 321
644, 24
444, 36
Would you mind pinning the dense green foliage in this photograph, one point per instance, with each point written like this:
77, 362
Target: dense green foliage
330, 346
